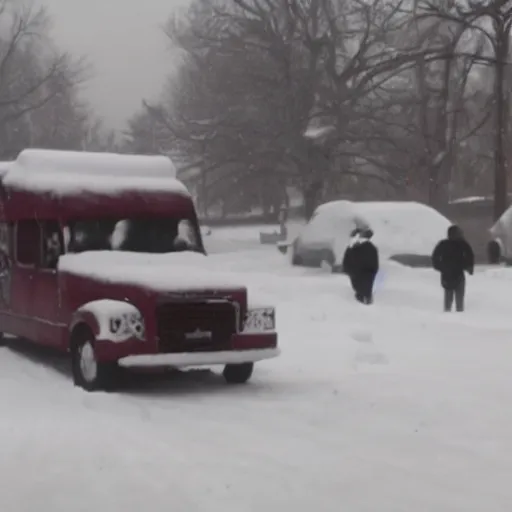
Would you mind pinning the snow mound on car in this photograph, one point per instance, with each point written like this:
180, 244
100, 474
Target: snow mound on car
399, 228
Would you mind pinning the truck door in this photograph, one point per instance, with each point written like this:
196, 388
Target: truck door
27, 245
45, 304
6, 259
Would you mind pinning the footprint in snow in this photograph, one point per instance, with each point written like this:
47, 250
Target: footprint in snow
367, 355
362, 336
371, 358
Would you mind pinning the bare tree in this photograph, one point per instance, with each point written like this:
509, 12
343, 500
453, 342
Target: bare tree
260, 78
430, 115
319, 94
34, 78
492, 20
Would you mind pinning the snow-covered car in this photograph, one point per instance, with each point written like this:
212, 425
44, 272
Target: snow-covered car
406, 232
499, 248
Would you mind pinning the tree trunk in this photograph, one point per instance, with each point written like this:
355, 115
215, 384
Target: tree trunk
203, 194
312, 197
439, 183
500, 162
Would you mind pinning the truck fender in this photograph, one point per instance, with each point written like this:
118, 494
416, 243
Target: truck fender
98, 314
85, 317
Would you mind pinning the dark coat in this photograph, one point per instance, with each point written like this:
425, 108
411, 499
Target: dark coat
347, 264
365, 258
452, 257
361, 259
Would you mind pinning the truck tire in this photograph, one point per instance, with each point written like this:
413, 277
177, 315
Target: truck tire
238, 373
88, 372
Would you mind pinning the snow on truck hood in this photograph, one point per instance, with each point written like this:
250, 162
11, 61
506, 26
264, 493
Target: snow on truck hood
184, 271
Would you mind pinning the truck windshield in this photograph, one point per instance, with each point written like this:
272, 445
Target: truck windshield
133, 235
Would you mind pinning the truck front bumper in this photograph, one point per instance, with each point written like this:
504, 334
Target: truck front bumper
245, 348
189, 359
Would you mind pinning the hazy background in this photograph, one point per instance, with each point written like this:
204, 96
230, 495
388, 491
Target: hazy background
125, 44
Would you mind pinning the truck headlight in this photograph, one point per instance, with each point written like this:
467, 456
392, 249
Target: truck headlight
260, 320
127, 325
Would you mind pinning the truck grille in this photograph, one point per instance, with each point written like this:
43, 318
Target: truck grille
196, 326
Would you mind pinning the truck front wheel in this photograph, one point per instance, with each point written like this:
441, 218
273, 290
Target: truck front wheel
238, 373
88, 372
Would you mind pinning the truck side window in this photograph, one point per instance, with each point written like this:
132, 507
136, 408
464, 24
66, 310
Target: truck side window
5, 241
52, 244
28, 242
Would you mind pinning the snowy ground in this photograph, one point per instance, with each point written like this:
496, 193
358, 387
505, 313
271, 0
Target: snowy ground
396, 407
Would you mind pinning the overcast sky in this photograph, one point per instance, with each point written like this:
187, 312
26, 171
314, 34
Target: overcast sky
124, 42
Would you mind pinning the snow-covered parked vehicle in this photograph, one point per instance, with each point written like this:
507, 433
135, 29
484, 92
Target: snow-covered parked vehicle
499, 247
406, 232
101, 255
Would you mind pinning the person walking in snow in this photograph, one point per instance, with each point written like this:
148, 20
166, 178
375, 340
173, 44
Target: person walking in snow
451, 258
347, 264
361, 263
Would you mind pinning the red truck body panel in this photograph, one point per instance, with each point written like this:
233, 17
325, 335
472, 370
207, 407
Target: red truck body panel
44, 304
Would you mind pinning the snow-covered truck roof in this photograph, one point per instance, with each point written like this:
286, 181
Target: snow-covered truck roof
46, 181
64, 173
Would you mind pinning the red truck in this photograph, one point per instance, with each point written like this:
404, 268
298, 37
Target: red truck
101, 256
